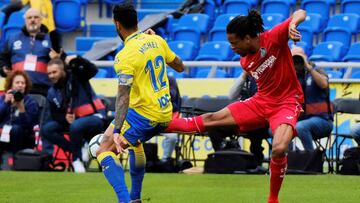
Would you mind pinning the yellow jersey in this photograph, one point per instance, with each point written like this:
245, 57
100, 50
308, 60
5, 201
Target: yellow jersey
144, 57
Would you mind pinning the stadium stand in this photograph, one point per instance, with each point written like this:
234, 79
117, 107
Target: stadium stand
328, 51
313, 23
276, 6
102, 30
353, 54
350, 6
72, 20
185, 49
238, 7
218, 32
15, 23
272, 19
314, 6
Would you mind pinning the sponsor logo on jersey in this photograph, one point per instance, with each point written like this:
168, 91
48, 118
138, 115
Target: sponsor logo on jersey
268, 63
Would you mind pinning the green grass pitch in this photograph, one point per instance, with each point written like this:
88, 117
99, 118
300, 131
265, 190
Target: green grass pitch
64, 187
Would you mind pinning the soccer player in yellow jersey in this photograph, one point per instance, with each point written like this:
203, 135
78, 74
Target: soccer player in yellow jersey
143, 104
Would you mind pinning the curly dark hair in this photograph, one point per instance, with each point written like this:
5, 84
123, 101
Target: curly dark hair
10, 78
251, 25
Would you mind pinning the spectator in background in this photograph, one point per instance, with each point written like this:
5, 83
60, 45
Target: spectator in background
317, 120
29, 50
244, 88
355, 132
170, 139
73, 106
18, 114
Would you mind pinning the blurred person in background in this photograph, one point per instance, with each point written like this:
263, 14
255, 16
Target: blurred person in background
316, 121
18, 114
73, 107
29, 50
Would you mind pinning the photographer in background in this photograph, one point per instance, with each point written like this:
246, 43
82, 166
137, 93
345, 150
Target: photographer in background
18, 114
73, 107
317, 120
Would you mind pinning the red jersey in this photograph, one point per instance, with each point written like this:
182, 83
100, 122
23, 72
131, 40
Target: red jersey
272, 66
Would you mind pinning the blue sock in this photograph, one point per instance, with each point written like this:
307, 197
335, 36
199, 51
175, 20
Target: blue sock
137, 170
114, 174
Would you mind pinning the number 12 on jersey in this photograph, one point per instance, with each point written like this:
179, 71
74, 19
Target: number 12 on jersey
151, 66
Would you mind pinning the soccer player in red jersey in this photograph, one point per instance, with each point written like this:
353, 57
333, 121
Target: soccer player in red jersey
267, 58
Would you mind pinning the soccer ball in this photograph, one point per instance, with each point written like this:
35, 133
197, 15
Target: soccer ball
94, 144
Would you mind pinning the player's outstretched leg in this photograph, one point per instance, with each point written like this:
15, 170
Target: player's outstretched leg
137, 171
282, 137
114, 173
186, 125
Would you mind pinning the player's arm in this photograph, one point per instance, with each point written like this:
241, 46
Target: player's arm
297, 17
177, 64
121, 108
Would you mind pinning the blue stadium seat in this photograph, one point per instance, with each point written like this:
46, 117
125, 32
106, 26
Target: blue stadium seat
163, 4
350, 6
338, 34
4, 2
328, 51
212, 51
187, 34
355, 74
353, 53
219, 51
85, 43
313, 21
218, 32
253, 3
334, 74
321, 7
276, 6
238, 7
67, 15
348, 21
15, 22
210, 10
190, 27
272, 19
102, 30
199, 20
306, 35
184, 49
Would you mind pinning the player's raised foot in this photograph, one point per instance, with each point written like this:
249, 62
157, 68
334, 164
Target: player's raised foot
135, 201
273, 200
78, 166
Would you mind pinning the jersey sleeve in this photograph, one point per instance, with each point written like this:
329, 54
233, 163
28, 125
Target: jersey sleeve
169, 54
124, 65
280, 32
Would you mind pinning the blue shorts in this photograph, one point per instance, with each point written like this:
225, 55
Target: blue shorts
138, 129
